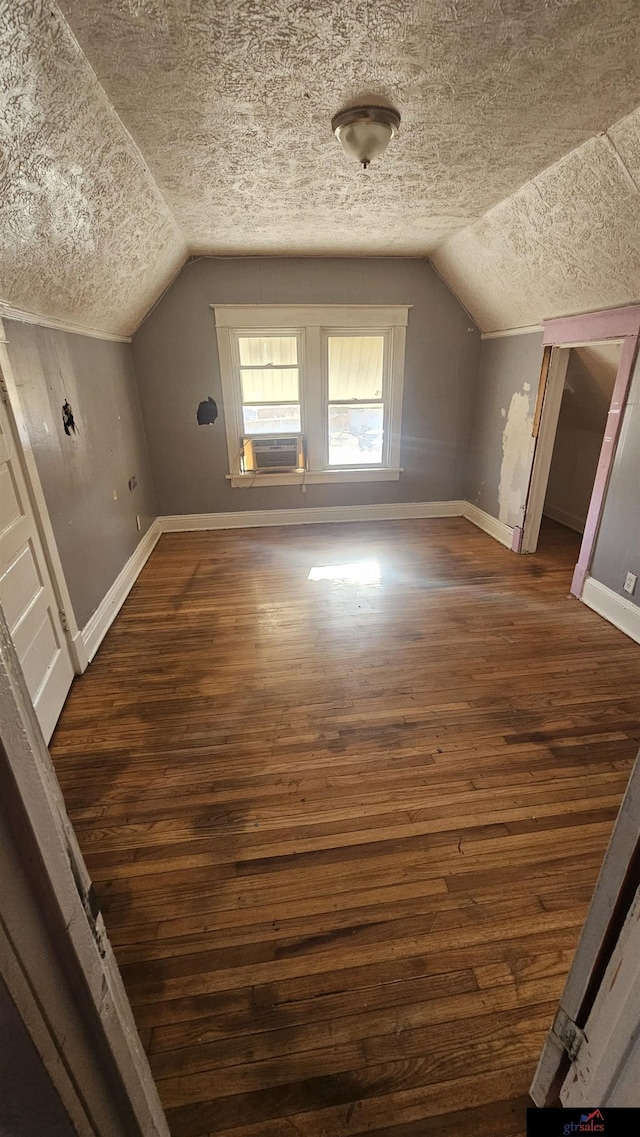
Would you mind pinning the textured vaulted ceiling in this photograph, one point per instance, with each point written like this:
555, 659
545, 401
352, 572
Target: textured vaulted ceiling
568, 241
85, 235
203, 126
231, 100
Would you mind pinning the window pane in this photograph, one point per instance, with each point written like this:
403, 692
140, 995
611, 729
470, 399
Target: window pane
355, 367
256, 351
270, 386
355, 434
272, 420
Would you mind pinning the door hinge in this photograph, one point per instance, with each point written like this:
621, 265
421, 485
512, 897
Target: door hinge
64, 621
570, 1035
4, 394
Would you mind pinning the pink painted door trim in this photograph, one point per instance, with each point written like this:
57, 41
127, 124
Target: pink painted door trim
618, 323
614, 324
605, 462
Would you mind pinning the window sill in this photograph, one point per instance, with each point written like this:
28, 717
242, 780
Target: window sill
312, 478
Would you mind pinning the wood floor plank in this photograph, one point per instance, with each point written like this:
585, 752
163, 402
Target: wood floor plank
340, 1108
314, 1009
308, 922
344, 835
368, 981
434, 1054
331, 1029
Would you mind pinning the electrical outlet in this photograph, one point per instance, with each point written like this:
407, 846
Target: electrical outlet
630, 583
138, 522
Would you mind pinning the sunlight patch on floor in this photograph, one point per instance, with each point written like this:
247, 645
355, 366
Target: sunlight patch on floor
360, 572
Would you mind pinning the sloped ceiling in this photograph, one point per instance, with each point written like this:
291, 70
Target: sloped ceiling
85, 235
214, 137
568, 241
589, 383
230, 102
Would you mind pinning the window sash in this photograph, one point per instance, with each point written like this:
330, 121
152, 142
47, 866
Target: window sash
314, 421
237, 368
368, 463
262, 336
383, 400
341, 358
256, 428
316, 324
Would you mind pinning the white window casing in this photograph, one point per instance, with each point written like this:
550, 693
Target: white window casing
313, 325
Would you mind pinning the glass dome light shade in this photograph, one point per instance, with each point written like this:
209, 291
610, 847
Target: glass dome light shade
365, 132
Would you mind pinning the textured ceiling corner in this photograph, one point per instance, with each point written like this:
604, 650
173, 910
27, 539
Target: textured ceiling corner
230, 102
85, 235
567, 242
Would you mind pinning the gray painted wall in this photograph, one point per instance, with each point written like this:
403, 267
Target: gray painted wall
29, 1104
617, 550
176, 360
501, 443
95, 534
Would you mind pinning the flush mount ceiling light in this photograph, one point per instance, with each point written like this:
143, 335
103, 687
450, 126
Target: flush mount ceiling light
365, 132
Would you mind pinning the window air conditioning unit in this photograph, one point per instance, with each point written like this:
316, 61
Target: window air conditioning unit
273, 454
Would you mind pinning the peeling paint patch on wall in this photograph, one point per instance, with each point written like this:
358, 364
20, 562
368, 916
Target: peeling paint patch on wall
507, 367
517, 452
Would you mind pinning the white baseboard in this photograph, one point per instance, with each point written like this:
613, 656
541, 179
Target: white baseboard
502, 533
78, 651
623, 613
253, 518
96, 629
564, 518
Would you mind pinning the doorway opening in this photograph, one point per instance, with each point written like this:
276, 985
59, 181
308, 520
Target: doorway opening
620, 328
617, 328
585, 399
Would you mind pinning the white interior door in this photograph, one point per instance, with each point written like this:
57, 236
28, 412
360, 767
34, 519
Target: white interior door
596, 1031
606, 1070
544, 447
26, 591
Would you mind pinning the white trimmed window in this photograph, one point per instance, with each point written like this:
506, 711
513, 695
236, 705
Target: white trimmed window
331, 375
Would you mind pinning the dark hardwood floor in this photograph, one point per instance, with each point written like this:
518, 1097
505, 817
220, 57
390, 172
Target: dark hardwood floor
344, 834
